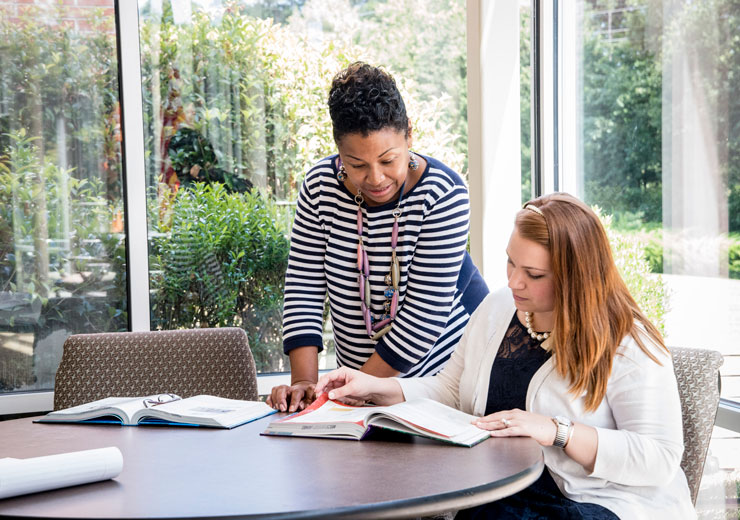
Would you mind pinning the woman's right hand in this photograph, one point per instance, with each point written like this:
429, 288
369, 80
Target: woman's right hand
355, 387
292, 398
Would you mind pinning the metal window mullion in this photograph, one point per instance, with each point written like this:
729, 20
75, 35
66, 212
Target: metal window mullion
132, 121
545, 156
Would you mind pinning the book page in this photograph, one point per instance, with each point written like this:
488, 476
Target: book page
433, 416
127, 405
334, 412
208, 410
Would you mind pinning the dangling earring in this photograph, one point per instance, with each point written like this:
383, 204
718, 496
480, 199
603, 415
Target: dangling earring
413, 162
342, 173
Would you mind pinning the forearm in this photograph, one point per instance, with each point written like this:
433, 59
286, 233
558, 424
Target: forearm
304, 364
583, 446
377, 367
386, 391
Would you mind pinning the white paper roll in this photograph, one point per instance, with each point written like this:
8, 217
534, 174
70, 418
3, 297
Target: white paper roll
21, 476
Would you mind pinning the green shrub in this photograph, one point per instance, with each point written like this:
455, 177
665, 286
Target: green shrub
734, 255
648, 289
222, 263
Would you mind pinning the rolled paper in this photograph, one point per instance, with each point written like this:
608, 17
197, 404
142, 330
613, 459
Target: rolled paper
361, 283
366, 263
22, 476
382, 333
368, 296
395, 273
359, 255
394, 304
381, 324
368, 321
359, 222
394, 234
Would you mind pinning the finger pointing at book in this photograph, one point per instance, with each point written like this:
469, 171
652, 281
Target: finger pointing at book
347, 384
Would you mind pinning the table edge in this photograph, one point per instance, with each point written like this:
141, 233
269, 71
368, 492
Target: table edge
419, 506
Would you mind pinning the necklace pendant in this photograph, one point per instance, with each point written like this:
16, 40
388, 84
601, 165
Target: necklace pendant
384, 320
381, 333
395, 272
368, 296
368, 321
394, 304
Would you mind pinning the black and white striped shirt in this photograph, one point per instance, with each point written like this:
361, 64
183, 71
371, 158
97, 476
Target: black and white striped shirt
439, 286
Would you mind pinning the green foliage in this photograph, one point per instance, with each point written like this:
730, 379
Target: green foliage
648, 289
624, 95
221, 263
193, 160
734, 256
525, 100
622, 127
82, 287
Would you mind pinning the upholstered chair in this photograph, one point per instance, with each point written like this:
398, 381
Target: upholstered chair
697, 373
132, 364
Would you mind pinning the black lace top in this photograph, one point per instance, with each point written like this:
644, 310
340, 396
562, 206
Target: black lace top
518, 358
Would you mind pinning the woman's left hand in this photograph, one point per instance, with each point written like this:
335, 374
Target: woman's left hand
519, 423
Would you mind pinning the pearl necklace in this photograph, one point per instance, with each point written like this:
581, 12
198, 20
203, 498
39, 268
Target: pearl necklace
535, 335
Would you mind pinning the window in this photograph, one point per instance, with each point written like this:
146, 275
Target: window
234, 106
62, 243
654, 143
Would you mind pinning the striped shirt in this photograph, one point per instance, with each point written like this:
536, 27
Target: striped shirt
439, 286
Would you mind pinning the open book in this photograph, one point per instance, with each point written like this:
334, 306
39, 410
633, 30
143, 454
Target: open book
424, 417
167, 409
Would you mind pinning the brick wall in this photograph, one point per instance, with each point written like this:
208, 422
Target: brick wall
76, 13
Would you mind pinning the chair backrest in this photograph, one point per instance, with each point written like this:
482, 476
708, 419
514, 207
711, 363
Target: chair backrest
697, 373
132, 364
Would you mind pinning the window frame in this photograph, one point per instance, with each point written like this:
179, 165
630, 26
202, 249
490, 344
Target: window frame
559, 165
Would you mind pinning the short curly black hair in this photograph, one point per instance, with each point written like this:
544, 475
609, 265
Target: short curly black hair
365, 99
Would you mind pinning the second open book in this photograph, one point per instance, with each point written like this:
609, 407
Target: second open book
424, 417
168, 409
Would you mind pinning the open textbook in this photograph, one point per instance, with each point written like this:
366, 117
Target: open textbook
424, 417
167, 409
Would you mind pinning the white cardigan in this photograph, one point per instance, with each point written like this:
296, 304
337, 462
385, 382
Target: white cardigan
640, 434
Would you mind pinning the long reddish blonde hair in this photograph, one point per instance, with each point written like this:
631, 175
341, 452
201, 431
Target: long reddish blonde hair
594, 310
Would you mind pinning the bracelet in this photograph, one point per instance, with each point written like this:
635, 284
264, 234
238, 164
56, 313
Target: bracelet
571, 429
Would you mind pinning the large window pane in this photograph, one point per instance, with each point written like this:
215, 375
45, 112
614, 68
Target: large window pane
62, 248
235, 113
659, 151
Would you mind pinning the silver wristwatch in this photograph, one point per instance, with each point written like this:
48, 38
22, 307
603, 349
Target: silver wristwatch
565, 429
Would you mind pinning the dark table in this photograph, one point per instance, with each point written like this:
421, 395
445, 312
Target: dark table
183, 472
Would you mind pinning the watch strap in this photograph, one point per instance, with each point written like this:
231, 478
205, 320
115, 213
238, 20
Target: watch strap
564, 431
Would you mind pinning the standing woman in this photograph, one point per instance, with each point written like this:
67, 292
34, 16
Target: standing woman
383, 231
565, 356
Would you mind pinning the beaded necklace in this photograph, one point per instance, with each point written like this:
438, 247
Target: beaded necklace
376, 329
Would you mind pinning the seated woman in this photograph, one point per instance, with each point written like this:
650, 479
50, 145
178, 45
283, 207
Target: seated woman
565, 356
383, 231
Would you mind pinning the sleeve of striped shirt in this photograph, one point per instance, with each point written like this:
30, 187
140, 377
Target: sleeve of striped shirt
432, 278
305, 282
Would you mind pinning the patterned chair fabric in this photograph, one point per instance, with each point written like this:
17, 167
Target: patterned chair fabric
697, 373
184, 362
